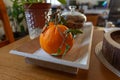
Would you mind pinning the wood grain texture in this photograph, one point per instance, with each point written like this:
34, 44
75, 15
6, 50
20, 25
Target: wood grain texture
30, 46
111, 48
13, 67
3, 43
54, 66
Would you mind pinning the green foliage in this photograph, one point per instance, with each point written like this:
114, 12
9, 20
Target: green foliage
28, 1
74, 31
36, 1
59, 51
16, 14
66, 49
62, 1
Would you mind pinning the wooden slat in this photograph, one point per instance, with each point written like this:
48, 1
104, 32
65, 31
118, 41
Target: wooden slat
6, 24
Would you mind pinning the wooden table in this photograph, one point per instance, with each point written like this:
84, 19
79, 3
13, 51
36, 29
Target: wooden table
13, 67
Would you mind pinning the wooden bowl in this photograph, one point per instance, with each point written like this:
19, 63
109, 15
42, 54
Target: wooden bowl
111, 48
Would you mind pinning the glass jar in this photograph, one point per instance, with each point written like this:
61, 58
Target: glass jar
35, 17
74, 19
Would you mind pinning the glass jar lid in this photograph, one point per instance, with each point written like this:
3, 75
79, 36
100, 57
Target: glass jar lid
74, 19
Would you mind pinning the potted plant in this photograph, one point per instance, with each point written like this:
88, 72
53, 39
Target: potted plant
34, 12
38, 9
56, 38
35, 15
21, 8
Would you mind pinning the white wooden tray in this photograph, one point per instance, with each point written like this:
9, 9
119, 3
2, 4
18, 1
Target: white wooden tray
77, 57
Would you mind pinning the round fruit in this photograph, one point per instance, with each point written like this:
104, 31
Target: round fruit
54, 38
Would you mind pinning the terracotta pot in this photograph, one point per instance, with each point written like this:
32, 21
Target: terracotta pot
35, 14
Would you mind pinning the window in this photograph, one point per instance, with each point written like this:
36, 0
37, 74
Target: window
54, 2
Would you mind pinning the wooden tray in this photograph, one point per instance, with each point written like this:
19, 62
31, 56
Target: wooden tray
77, 57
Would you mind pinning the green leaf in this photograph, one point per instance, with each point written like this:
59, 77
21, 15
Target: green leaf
74, 31
22, 29
66, 49
62, 1
59, 51
55, 54
62, 21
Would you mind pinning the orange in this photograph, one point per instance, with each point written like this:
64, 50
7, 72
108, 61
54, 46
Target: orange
54, 38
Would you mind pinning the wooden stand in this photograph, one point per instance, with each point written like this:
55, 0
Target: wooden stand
53, 66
